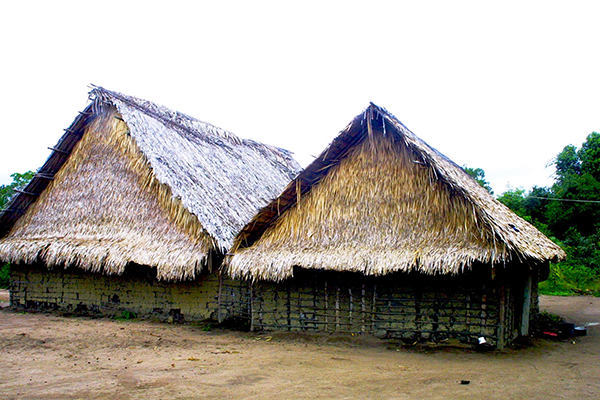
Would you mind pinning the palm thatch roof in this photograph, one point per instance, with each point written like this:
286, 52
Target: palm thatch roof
380, 200
134, 182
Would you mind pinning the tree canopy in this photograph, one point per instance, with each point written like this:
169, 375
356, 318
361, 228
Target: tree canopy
19, 181
6, 192
479, 175
568, 212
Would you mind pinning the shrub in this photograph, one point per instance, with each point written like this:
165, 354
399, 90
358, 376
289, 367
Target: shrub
5, 276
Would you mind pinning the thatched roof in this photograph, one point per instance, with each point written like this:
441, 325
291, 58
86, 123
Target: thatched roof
134, 182
380, 200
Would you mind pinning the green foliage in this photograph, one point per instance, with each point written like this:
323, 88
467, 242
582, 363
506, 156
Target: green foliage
479, 175
535, 205
6, 192
204, 326
19, 181
127, 315
568, 213
567, 162
546, 322
589, 155
583, 216
569, 278
515, 200
5, 276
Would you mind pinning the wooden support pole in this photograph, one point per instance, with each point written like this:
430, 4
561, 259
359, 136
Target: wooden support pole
220, 311
288, 307
350, 307
44, 176
374, 308
252, 308
417, 307
26, 193
524, 328
59, 151
362, 309
337, 308
326, 308
501, 318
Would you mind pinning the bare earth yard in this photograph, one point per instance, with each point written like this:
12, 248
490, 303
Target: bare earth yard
45, 356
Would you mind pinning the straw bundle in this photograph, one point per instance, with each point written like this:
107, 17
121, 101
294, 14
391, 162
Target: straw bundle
133, 182
222, 179
380, 200
112, 211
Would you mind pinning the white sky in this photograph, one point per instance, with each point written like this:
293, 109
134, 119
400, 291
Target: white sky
502, 86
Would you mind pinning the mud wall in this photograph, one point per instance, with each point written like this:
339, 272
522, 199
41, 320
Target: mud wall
136, 291
404, 306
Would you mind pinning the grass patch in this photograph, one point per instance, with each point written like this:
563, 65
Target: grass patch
204, 326
5, 276
569, 279
126, 315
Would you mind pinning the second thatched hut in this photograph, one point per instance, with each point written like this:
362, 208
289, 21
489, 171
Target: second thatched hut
383, 234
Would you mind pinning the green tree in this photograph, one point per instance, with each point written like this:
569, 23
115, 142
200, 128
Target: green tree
569, 213
536, 204
19, 181
589, 156
574, 217
6, 192
515, 200
479, 175
576, 188
567, 162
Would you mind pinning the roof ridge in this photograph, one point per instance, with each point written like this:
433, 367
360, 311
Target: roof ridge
160, 113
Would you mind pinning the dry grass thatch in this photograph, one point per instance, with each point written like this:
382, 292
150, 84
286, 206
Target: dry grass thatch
134, 182
380, 200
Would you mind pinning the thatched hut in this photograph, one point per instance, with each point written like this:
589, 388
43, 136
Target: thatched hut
383, 234
134, 210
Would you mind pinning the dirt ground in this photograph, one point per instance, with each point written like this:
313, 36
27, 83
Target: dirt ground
46, 356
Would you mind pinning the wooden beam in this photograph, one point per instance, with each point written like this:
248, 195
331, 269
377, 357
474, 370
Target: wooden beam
59, 151
27, 193
524, 328
501, 318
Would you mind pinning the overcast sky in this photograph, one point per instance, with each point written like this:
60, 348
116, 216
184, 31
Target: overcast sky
502, 86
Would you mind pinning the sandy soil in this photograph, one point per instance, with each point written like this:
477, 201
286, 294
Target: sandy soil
45, 356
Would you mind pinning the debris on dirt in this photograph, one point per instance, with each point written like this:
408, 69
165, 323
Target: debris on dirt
549, 335
547, 325
580, 331
87, 358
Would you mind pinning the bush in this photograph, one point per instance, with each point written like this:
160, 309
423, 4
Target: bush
127, 315
546, 322
580, 272
5, 276
570, 278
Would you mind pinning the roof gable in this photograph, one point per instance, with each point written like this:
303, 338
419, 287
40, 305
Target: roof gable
210, 179
220, 178
105, 209
379, 200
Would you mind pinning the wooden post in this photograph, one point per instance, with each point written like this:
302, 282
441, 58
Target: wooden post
350, 309
220, 311
252, 324
524, 328
326, 309
417, 307
288, 305
337, 308
501, 318
374, 308
362, 309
